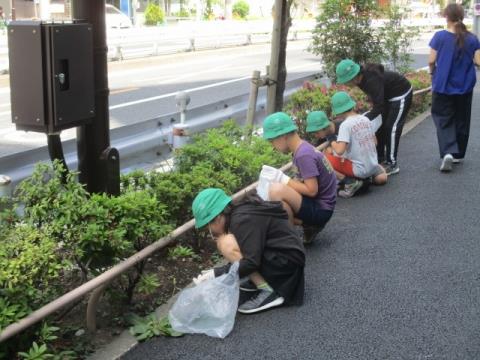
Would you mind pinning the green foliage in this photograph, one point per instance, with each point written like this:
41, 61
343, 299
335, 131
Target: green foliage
313, 97
151, 326
241, 9
396, 40
223, 157
36, 353
181, 252
154, 14
148, 284
344, 30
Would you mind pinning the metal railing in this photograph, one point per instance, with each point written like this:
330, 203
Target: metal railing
97, 285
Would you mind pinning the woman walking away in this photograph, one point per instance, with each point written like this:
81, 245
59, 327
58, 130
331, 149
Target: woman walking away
452, 57
391, 94
259, 235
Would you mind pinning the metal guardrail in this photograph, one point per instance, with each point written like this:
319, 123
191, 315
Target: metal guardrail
99, 283
148, 142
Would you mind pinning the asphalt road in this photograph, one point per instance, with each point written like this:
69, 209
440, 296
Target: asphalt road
395, 275
144, 89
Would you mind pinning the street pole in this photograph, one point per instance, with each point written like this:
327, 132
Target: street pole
274, 55
13, 15
476, 17
98, 164
44, 9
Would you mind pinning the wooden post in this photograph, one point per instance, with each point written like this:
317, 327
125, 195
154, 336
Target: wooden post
252, 102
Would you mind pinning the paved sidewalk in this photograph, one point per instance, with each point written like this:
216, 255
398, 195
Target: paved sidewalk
396, 274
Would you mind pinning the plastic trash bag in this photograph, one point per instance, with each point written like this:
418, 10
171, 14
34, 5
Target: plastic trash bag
267, 176
208, 308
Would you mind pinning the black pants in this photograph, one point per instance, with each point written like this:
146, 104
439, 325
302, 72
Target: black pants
284, 276
388, 135
451, 115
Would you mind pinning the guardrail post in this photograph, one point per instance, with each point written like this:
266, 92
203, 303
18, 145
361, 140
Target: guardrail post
252, 102
5, 186
249, 39
118, 52
91, 317
192, 44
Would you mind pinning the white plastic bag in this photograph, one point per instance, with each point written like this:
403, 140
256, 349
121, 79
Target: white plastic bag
267, 176
208, 308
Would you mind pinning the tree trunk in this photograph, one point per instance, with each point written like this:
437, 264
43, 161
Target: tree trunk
282, 68
228, 9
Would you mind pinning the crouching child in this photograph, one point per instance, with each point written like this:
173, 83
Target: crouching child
354, 151
260, 237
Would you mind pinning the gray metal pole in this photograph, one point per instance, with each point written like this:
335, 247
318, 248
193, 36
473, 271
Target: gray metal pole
252, 102
274, 54
93, 140
476, 17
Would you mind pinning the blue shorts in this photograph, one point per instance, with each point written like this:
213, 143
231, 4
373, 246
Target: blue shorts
312, 214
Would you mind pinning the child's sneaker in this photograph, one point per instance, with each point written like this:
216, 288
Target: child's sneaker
351, 189
310, 233
391, 168
447, 162
247, 285
263, 300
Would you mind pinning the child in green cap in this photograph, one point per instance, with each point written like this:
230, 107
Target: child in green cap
311, 200
259, 236
391, 95
355, 153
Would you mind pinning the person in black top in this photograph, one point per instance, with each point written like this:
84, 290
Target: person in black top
391, 95
259, 236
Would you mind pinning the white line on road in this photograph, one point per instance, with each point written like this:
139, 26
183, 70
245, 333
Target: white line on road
154, 98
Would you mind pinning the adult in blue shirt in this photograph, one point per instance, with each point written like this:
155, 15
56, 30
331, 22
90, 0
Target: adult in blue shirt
453, 54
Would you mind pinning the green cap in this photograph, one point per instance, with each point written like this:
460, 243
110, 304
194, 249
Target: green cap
342, 102
346, 70
277, 124
208, 204
316, 121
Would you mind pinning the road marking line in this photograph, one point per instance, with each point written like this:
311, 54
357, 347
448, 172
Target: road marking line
209, 86
120, 91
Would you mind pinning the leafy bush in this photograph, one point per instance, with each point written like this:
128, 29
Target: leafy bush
241, 9
344, 30
154, 15
222, 157
396, 40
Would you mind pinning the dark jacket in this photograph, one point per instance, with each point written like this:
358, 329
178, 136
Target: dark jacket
262, 230
381, 85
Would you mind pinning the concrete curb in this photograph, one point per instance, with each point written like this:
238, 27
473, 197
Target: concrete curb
125, 341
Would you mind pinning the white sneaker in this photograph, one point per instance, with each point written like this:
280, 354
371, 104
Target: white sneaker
457, 161
447, 162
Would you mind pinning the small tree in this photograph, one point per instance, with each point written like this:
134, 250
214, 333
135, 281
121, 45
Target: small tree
154, 15
344, 30
241, 9
396, 41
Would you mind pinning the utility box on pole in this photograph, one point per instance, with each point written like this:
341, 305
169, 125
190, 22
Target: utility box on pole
51, 75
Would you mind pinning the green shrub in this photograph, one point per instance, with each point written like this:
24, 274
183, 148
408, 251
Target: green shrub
241, 9
154, 15
344, 30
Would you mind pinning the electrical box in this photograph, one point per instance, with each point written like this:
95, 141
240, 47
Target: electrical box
51, 75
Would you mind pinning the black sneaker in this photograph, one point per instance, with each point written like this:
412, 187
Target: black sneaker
263, 300
391, 168
310, 233
247, 285
350, 189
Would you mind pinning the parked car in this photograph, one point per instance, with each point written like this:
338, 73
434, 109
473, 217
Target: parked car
116, 19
